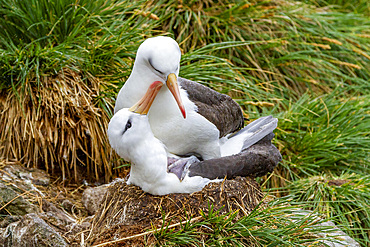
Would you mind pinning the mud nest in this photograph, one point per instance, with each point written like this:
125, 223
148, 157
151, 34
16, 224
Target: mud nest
126, 210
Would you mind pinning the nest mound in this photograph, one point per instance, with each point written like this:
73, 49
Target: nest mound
57, 125
126, 210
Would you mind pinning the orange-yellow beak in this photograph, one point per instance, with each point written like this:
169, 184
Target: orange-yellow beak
174, 88
144, 104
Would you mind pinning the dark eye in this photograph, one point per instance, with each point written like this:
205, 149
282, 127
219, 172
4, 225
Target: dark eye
128, 125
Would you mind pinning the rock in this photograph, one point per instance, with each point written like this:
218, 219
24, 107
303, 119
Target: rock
28, 225
31, 230
20, 179
9, 219
59, 213
332, 235
126, 209
34, 175
13, 203
92, 198
341, 238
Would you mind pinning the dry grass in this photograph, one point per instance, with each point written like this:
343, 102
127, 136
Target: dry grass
58, 127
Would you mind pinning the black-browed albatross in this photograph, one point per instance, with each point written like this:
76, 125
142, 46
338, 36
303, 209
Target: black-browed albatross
187, 117
131, 137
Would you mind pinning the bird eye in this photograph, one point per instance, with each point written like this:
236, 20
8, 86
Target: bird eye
150, 62
128, 125
157, 70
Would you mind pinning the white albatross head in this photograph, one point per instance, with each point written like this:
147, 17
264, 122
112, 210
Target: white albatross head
157, 60
126, 131
161, 55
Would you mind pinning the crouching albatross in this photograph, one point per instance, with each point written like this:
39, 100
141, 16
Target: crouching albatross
187, 117
131, 137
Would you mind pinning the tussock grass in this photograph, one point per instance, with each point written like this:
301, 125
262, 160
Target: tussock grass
58, 126
276, 223
344, 198
289, 44
358, 6
41, 37
61, 123
308, 63
327, 133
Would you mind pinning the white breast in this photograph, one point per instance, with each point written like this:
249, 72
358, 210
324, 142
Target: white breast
182, 136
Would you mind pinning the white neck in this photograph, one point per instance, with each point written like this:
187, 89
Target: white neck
149, 171
150, 162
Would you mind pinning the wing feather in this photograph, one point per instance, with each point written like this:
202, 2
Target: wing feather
220, 109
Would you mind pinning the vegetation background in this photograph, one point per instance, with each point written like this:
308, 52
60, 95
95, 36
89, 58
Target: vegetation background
305, 62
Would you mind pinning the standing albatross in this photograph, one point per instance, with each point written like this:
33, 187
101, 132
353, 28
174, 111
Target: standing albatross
131, 137
186, 116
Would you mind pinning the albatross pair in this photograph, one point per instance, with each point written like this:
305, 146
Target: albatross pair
183, 117
131, 137
186, 116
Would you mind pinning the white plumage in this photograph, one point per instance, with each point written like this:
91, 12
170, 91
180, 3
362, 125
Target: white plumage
156, 59
175, 119
131, 137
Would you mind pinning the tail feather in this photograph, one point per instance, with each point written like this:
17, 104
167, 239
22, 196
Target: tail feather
249, 135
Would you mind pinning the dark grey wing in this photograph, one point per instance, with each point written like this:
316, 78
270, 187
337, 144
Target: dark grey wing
220, 109
257, 160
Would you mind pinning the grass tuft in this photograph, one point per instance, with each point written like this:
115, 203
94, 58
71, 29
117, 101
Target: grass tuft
58, 127
344, 198
328, 133
276, 223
